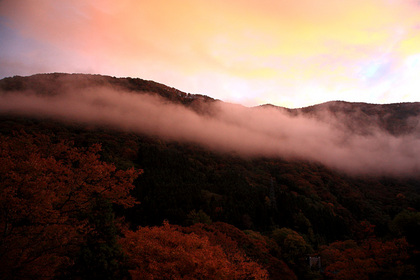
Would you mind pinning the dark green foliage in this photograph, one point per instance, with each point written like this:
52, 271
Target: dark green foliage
201, 217
407, 224
294, 246
100, 257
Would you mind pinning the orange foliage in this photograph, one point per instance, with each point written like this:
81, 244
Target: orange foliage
167, 253
44, 188
349, 260
234, 241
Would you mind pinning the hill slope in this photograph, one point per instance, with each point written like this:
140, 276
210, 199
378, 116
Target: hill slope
399, 118
185, 182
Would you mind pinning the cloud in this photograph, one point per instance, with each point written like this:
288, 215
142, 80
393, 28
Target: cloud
249, 132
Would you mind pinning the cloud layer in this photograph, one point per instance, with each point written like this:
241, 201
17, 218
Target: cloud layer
260, 131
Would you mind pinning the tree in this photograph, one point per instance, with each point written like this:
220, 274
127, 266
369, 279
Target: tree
100, 256
292, 244
236, 242
195, 217
166, 253
407, 223
371, 259
47, 190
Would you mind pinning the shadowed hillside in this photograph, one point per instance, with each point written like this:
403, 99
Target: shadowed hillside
398, 119
260, 213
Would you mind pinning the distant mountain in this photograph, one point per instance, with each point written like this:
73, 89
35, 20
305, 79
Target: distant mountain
397, 118
362, 118
53, 84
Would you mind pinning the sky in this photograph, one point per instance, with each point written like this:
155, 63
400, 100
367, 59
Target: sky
291, 53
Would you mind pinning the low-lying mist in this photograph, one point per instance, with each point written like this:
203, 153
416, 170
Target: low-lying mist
261, 131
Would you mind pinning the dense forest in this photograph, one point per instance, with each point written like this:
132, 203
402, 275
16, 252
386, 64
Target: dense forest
89, 201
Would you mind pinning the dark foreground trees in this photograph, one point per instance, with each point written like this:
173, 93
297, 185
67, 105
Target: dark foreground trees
58, 205
50, 194
367, 259
57, 221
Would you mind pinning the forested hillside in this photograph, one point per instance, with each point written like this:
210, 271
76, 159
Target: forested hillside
142, 206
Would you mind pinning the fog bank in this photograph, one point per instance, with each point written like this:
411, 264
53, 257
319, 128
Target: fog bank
262, 131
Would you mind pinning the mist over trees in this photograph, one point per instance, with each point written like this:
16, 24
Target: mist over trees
354, 138
91, 199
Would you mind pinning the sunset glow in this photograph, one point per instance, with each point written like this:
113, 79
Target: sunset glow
288, 53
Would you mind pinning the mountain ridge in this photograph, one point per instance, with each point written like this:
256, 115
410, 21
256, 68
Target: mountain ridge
18, 82
278, 210
358, 117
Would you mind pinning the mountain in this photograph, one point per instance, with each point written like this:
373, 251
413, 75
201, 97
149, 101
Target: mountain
276, 205
397, 119
56, 83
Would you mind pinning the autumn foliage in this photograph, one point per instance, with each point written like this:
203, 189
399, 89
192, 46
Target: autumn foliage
369, 259
167, 253
47, 190
67, 212
53, 197
257, 247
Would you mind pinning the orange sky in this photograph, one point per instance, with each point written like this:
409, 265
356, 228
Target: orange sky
291, 53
